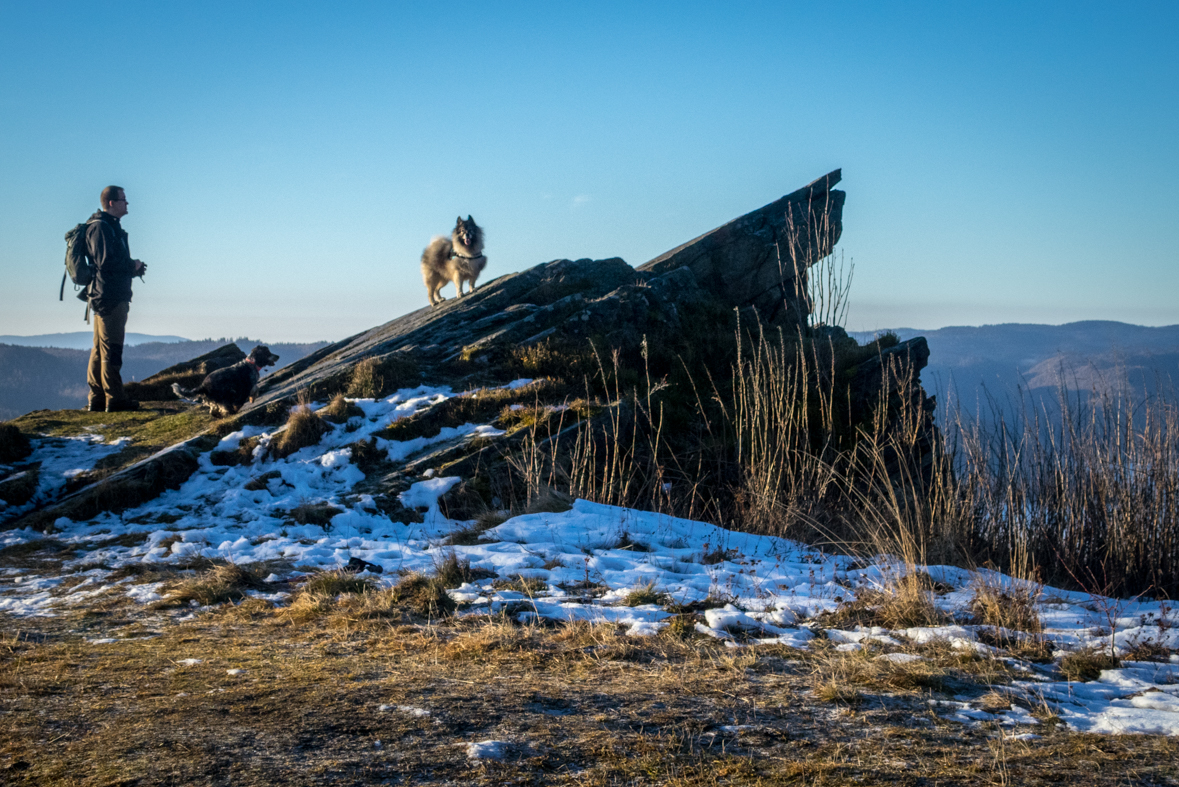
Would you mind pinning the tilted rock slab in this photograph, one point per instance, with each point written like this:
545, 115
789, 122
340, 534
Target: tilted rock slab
761, 259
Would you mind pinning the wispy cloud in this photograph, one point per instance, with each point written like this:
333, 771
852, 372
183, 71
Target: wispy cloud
581, 199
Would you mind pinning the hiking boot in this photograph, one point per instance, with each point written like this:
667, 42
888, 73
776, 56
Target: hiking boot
95, 407
122, 407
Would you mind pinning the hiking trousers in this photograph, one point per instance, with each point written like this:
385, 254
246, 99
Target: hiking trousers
106, 358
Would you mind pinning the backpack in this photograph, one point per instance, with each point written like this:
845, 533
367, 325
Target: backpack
78, 265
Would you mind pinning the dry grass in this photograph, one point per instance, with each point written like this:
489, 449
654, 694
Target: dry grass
1148, 650
645, 594
242, 455
422, 596
260, 482
376, 377
314, 513
365, 454
314, 695
339, 410
902, 603
304, 428
529, 586
470, 534
1086, 665
224, 582
333, 583
1009, 607
453, 571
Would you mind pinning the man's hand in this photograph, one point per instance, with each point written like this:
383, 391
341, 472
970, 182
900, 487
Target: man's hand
140, 267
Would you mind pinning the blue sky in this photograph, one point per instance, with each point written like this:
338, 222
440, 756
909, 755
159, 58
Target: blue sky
286, 163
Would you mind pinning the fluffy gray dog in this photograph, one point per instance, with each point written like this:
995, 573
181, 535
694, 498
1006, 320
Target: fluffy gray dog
456, 259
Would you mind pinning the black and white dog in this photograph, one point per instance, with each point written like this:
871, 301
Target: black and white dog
226, 390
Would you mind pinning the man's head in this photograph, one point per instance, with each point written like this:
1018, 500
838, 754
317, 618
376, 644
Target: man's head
114, 201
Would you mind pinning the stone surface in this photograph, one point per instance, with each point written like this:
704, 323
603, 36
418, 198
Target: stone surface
188, 374
761, 258
568, 299
735, 265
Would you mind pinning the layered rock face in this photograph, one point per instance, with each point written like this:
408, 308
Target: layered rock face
761, 259
681, 306
758, 260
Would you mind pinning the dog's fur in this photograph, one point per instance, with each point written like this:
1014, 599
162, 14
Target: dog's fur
457, 259
226, 390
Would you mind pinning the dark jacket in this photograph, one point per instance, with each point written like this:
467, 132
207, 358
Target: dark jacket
108, 247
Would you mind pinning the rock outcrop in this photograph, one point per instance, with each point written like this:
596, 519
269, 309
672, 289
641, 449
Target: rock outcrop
761, 259
675, 315
758, 260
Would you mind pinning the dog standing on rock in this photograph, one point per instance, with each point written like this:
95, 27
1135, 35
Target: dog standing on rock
459, 258
226, 390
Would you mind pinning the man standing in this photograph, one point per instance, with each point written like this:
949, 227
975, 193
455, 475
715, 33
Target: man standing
110, 299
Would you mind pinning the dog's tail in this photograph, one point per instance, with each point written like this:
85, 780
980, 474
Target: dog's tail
183, 395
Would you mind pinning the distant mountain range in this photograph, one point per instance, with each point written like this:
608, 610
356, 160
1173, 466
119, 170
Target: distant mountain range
54, 378
81, 340
1003, 360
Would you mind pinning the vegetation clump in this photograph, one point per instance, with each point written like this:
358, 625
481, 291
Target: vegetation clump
315, 513
422, 596
336, 582
366, 455
304, 428
471, 533
376, 377
454, 571
644, 594
1086, 665
1012, 608
261, 482
339, 410
529, 586
223, 582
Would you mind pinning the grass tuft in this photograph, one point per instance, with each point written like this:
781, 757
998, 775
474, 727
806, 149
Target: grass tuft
304, 428
336, 582
641, 595
1086, 665
423, 597
1012, 608
340, 410
453, 571
224, 582
529, 586
314, 513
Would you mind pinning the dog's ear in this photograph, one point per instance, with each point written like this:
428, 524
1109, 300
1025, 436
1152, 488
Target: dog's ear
458, 222
469, 219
